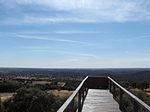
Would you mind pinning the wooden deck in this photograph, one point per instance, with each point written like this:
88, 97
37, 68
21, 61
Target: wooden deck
100, 101
90, 97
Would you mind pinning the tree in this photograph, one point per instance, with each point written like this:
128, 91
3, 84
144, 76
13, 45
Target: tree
1, 110
30, 100
9, 86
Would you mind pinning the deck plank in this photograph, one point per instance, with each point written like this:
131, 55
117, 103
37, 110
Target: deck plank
100, 101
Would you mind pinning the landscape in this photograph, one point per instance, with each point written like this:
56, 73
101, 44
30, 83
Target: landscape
58, 84
74, 55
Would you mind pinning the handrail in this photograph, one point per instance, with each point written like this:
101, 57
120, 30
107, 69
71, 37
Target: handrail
100, 83
136, 99
71, 98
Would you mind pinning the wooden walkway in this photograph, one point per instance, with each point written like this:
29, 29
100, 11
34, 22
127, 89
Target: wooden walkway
100, 101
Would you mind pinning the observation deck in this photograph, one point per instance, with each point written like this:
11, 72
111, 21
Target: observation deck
102, 94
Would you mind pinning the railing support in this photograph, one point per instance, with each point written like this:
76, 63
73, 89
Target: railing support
120, 99
79, 102
86, 90
114, 92
110, 86
72, 106
135, 106
86, 84
84, 93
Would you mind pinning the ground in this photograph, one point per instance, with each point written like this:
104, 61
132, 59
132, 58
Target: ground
5, 96
60, 93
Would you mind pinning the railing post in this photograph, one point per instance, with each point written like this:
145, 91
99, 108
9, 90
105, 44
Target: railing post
71, 109
83, 93
79, 101
86, 91
0, 105
121, 99
135, 106
114, 93
82, 97
110, 86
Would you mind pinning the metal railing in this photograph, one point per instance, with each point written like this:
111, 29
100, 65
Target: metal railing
126, 100
75, 102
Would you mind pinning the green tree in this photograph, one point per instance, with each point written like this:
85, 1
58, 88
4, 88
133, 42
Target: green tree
142, 95
1, 105
30, 100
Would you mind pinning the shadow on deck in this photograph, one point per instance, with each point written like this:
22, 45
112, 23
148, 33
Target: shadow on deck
102, 94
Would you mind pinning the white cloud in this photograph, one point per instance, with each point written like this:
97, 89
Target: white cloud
35, 32
46, 49
53, 39
85, 11
36, 47
53, 20
76, 32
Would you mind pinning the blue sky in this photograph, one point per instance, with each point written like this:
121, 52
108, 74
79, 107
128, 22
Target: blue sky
75, 33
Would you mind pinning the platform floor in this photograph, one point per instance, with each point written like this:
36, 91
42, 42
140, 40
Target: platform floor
100, 101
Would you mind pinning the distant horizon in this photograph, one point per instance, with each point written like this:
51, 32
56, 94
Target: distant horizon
75, 33
65, 68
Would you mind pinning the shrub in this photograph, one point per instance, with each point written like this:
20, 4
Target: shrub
32, 100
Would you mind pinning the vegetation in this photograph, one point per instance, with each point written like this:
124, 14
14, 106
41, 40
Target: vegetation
32, 96
1, 105
9, 86
142, 95
32, 100
35, 97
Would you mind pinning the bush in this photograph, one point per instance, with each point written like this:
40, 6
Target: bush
32, 100
141, 95
9, 86
1, 110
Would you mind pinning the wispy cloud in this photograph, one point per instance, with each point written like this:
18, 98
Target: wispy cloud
85, 55
53, 39
57, 20
35, 47
65, 52
62, 32
76, 32
75, 11
65, 32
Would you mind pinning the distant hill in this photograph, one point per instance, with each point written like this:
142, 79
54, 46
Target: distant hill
140, 74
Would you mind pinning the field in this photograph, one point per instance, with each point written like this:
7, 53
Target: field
59, 93
5, 96
148, 91
41, 82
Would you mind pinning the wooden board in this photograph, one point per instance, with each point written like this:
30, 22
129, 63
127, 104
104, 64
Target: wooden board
100, 101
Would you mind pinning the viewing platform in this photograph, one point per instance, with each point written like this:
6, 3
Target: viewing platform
100, 101
102, 94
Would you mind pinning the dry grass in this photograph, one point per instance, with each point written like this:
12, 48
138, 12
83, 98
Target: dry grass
5, 96
148, 91
61, 93
41, 82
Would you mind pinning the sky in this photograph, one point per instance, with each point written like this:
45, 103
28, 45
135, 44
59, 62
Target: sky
75, 33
